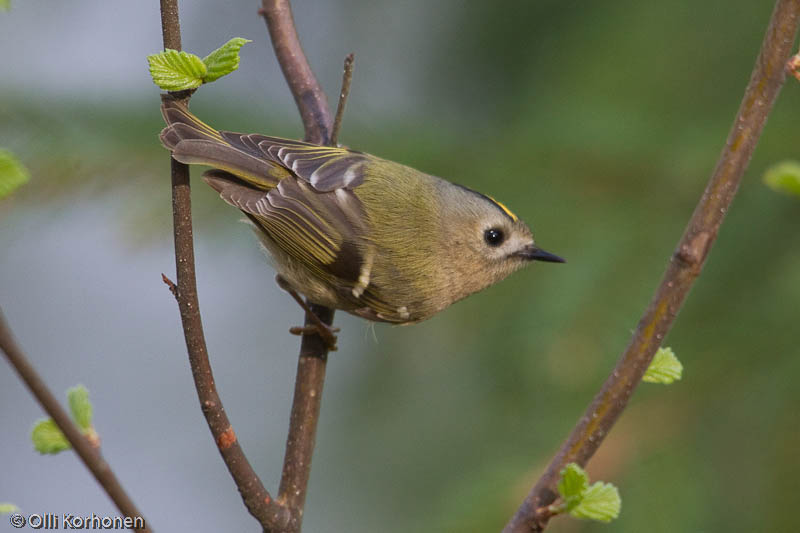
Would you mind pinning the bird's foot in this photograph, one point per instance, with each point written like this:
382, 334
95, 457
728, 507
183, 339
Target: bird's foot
318, 327
327, 333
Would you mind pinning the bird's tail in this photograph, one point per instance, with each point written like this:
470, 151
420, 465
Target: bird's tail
192, 141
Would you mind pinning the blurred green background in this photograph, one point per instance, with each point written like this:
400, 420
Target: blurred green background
597, 122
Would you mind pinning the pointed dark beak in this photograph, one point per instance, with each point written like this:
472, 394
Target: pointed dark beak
532, 253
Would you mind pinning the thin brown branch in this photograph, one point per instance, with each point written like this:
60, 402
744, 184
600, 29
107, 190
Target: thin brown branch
270, 514
303, 421
316, 117
308, 95
83, 447
347, 78
683, 268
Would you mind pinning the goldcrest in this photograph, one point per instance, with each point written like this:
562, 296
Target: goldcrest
353, 231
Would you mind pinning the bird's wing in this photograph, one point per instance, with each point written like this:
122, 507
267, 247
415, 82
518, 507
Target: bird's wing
325, 168
324, 231
259, 160
299, 194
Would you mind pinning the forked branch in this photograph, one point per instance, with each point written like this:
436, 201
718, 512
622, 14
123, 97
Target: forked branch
271, 515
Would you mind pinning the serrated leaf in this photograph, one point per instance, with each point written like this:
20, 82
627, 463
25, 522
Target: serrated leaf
224, 59
784, 177
7, 508
13, 174
665, 368
80, 407
600, 502
47, 438
175, 71
573, 483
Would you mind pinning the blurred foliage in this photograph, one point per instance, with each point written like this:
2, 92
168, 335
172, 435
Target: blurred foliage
784, 177
599, 124
13, 174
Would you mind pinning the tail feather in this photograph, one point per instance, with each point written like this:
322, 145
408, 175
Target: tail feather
192, 141
182, 124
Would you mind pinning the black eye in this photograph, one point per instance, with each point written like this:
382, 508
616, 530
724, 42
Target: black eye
493, 237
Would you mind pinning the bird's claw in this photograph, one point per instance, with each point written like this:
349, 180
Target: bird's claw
327, 333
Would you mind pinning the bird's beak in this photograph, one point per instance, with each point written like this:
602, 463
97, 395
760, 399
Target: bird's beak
532, 253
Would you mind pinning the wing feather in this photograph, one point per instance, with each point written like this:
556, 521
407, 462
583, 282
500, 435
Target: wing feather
311, 226
299, 194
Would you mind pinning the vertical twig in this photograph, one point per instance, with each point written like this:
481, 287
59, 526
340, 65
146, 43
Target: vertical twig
316, 117
91, 457
259, 503
683, 268
347, 78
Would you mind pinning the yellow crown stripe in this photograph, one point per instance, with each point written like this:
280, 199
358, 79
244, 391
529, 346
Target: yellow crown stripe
506, 210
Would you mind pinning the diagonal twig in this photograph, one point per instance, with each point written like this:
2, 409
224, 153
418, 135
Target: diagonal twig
90, 456
683, 269
258, 501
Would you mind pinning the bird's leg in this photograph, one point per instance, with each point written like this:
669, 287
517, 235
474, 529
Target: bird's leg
326, 332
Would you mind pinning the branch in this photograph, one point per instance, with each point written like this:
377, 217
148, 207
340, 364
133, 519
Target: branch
259, 503
89, 455
308, 95
316, 117
683, 269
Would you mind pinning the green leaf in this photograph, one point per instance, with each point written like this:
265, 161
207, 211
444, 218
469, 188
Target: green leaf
573, 483
5, 5
175, 71
47, 438
784, 177
664, 368
224, 59
12, 173
600, 502
80, 407
8, 508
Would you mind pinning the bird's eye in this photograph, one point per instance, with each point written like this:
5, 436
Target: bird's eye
493, 237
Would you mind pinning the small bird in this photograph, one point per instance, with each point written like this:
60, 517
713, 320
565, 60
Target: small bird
352, 231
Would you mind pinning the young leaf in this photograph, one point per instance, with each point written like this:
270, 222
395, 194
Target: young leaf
8, 508
175, 71
12, 173
664, 368
224, 59
600, 502
573, 483
80, 407
47, 438
784, 177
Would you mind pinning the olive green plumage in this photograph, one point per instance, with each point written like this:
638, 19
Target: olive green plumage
352, 231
